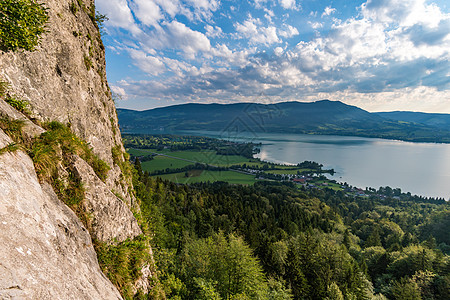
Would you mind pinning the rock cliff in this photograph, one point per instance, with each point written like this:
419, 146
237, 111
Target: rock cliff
46, 252
65, 80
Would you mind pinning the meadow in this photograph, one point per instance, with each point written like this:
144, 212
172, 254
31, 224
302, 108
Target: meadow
195, 176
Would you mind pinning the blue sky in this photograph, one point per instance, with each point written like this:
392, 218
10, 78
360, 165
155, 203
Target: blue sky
379, 55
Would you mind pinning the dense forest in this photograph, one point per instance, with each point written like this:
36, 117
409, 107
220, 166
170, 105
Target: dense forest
272, 240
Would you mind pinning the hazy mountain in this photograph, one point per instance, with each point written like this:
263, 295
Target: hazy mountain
321, 117
436, 120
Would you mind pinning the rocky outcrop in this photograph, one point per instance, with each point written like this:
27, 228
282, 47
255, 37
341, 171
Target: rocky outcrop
112, 220
65, 80
46, 253
30, 130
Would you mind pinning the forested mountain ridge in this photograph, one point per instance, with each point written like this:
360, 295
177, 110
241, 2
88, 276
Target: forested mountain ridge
321, 117
441, 121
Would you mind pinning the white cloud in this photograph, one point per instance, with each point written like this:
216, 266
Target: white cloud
176, 36
259, 3
190, 41
251, 29
171, 7
403, 12
288, 4
278, 51
180, 68
147, 11
213, 32
396, 49
315, 25
150, 64
233, 58
205, 5
120, 92
289, 32
269, 14
203, 9
328, 11
119, 15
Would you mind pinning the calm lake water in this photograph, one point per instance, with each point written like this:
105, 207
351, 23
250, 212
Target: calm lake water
419, 168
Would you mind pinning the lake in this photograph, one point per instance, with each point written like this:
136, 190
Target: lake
420, 168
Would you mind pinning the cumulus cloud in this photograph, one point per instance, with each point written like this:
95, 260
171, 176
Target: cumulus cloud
182, 37
203, 9
269, 14
147, 63
252, 30
288, 4
213, 31
147, 12
119, 92
179, 37
259, 3
289, 31
119, 15
328, 11
394, 49
315, 25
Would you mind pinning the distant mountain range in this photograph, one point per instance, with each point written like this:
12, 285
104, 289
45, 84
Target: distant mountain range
321, 117
434, 120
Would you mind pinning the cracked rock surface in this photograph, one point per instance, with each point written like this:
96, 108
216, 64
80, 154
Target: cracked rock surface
46, 253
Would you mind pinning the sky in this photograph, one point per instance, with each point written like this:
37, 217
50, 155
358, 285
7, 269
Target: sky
380, 55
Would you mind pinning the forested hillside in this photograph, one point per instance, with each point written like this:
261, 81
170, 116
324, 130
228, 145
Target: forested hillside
320, 117
441, 121
276, 241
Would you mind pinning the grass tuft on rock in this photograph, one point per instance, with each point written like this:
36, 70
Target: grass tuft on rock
122, 263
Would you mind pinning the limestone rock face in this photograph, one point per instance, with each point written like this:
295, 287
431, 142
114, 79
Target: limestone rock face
30, 129
64, 80
46, 253
112, 220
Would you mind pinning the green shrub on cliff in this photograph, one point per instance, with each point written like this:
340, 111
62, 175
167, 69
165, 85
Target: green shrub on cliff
21, 24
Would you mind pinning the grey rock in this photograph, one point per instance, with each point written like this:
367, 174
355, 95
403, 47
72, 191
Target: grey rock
59, 87
46, 253
54, 79
111, 219
30, 129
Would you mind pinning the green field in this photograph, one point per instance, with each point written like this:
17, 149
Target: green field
140, 152
204, 156
204, 176
162, 163
331, 185
209, 157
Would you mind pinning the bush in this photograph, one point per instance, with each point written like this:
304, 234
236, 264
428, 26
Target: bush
19, 104
122, 263
21, 24
57, 144
13, 128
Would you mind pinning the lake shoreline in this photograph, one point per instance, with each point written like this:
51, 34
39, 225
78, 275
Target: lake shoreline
419, 168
